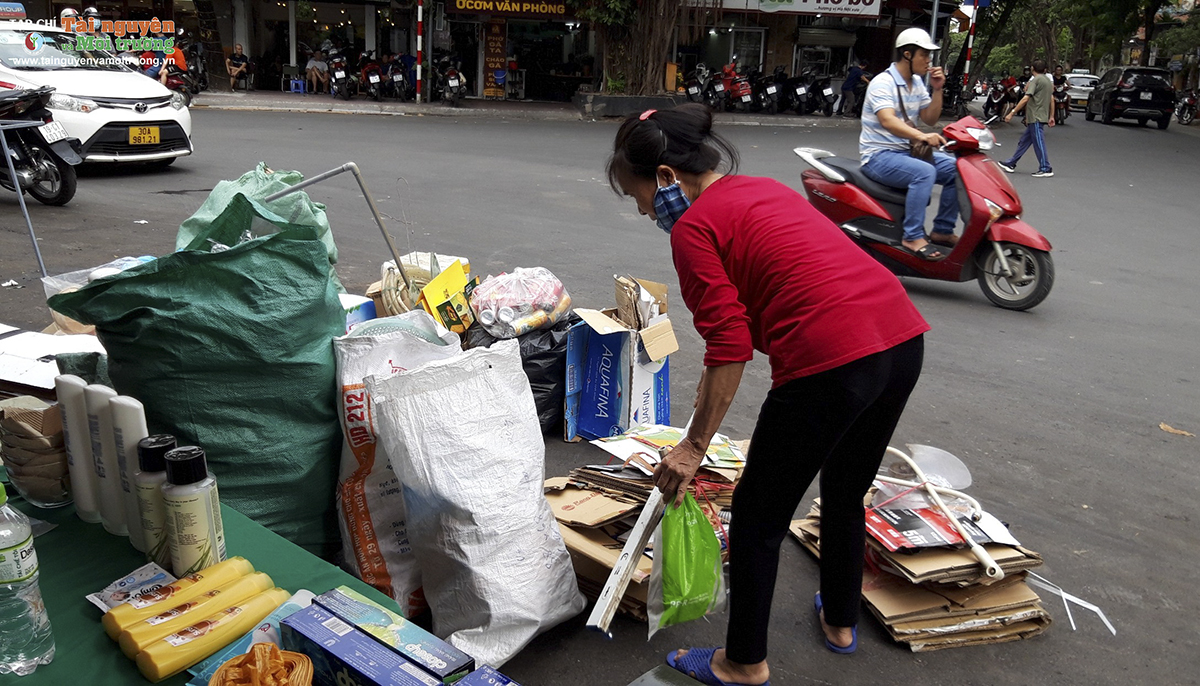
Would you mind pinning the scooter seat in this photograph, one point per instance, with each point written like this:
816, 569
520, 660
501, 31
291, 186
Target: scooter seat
853, 171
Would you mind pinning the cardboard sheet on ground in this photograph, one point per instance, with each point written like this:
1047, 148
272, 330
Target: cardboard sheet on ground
646, 440
27, 357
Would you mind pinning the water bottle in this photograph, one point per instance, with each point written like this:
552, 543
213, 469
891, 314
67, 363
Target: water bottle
25, 638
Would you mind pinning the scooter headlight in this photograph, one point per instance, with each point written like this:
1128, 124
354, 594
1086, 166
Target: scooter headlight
994, 210
69, 103
178, 101
985, 137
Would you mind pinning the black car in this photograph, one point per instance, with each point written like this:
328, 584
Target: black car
1141, 93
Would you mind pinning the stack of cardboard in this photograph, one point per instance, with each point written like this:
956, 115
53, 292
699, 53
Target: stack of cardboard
596, 506
938, 597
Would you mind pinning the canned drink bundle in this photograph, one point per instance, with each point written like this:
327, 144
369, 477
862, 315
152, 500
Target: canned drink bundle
528, 299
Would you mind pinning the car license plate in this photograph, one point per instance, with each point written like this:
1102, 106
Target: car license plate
745, 98
801, 90
720, 87
828, 91
1147, 96
52, 131
373, 78
453, 83
143, 135
339, 74
771, 90
1081, 102
693, 90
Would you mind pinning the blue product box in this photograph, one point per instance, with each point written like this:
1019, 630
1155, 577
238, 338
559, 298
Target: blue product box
486, 676
414, 644
344, 656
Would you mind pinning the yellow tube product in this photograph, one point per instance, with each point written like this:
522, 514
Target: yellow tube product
149, 604
172, 654
136, 638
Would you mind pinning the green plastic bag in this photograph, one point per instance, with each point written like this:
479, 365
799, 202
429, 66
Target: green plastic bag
686, 581
296, 209
233, 351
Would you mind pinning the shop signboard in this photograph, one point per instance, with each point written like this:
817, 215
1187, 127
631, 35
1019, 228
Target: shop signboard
848, 8
495, 58
554, 10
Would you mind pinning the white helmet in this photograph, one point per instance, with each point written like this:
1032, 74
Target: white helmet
917, 37
68, 12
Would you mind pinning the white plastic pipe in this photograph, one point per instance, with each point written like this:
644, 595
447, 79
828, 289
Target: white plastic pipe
79, 446
129, 427
104, 457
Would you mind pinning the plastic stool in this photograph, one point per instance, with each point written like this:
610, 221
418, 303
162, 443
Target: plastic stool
298, 86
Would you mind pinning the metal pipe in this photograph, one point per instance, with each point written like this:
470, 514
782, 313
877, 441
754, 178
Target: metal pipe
12, 175
1005, 268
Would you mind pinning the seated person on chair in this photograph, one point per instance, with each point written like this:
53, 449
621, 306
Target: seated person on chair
317, 72
238, 66
895, 99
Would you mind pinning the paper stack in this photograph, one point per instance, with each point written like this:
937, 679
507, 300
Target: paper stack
931, 598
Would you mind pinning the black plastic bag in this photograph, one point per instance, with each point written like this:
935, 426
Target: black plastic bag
544, 358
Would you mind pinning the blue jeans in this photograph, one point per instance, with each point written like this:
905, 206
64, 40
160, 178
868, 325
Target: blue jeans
901, 170
1033, 135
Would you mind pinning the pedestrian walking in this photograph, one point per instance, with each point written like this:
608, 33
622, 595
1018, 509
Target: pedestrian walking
1037, 105
761, 269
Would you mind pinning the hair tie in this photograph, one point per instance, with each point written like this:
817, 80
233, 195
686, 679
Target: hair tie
646, 115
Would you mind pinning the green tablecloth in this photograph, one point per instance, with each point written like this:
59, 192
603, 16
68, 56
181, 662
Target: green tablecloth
78, 558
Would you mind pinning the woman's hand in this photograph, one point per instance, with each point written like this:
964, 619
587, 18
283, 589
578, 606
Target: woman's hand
676, 470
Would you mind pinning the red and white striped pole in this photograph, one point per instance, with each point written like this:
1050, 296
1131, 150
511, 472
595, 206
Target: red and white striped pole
420, 51
970, 44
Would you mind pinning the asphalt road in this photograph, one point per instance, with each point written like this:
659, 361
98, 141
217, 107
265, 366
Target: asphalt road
1055, 410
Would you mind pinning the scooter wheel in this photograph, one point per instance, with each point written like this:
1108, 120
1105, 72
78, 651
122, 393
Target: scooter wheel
1186, 116
57, 186
1031, 280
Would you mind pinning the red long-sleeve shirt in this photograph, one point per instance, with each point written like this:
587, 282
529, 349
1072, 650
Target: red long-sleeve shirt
761, 269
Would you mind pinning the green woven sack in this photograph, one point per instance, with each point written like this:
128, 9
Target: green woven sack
233, 351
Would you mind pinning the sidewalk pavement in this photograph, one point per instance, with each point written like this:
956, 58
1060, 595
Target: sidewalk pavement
273, 101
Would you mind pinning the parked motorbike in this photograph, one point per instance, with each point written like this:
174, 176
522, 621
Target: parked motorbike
1185, 108
43, 157
194, 51
739, 93
370, 75
819, 95
1009, 258
453, 82
342, 83
396, 83
766, 89
1062, 102
702, 87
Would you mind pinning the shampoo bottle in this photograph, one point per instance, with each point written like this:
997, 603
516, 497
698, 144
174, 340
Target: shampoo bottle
194, 529
152, 474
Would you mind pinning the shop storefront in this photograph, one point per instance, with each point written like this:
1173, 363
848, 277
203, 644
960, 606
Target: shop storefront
516, 50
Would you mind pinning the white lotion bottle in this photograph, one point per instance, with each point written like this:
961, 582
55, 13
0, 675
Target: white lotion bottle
194, 528
151, 475
129, 427
104, 457
84, 488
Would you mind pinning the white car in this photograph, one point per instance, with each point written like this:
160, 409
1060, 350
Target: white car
118, 114
1079, 84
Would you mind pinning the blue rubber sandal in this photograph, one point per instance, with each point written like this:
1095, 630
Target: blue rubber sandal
829, 644
698, 665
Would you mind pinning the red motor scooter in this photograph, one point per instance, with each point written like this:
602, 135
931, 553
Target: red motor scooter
739, 92
1010, 258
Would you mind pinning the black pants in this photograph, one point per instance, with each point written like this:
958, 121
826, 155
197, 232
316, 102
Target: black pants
837, 422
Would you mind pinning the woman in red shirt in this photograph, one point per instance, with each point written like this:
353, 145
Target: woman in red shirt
761, 269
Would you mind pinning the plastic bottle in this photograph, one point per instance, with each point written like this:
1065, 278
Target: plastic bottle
25, 637
129, 427
148, 481
194, 528
104, 456
79, 447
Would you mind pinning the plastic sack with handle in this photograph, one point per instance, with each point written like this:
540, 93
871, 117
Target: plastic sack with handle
526, 300
463, 437
686, 581
371, 511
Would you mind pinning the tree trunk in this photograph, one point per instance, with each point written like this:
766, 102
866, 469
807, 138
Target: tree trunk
1152, 8
994, 28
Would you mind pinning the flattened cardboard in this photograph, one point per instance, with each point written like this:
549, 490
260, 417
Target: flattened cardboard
601, 548
1015, 632
576, 506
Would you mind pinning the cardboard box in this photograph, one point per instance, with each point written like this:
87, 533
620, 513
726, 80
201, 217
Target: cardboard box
344, 656
618, 375
435, 656
358, 309
486, 676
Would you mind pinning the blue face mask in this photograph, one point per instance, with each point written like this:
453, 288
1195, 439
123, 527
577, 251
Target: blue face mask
669, 205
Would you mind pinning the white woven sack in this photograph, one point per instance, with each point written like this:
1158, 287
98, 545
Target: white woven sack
464, 439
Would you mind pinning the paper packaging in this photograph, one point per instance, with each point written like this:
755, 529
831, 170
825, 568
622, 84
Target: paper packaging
618, 375
358, 309
444, 298
342, 655
579, 507
432, 654
486, 676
